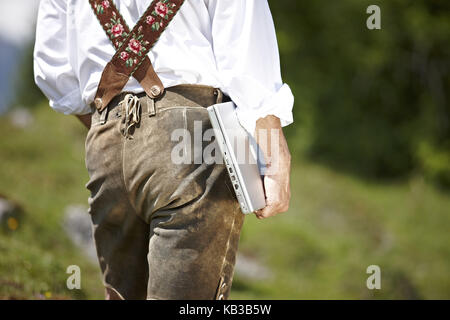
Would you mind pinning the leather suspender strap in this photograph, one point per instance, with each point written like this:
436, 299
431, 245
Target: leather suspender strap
117, 30
132, 47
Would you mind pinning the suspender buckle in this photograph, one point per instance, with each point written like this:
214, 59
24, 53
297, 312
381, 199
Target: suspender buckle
156, 91
98, 103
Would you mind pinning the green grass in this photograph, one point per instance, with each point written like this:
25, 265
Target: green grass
337, 226
42, 168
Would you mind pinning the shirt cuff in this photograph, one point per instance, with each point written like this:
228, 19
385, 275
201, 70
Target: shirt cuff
71, 104
279, 104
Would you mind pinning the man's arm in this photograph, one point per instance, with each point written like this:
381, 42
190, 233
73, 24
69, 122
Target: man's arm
85, 119
53, 71
276, 181
248, 61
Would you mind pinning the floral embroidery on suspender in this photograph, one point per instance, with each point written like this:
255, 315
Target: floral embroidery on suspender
136, 46
104, 5
116, 29
164, 10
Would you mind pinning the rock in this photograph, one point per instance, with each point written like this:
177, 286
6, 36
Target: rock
250, 268
78, 226
21, 118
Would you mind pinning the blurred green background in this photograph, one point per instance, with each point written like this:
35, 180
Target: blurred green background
370, 176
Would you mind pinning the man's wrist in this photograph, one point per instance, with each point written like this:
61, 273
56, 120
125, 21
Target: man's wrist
270, 138
268, 122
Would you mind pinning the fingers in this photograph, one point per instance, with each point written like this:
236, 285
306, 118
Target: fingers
278, 195
277, 202
272, 210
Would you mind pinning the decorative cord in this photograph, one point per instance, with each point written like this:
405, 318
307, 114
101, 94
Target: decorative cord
132, 112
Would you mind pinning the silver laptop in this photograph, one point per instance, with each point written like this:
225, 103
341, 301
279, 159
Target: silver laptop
240, 154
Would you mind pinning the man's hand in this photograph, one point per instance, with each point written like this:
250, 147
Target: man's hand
276, 180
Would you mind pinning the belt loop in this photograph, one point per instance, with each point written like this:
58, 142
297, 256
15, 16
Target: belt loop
103, 115
151, 107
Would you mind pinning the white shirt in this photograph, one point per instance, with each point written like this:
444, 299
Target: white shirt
228, 44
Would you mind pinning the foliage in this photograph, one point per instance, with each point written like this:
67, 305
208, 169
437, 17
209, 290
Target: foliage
374, 102
27, 94
42, 169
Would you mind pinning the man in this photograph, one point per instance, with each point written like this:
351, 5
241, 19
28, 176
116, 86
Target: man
167, 231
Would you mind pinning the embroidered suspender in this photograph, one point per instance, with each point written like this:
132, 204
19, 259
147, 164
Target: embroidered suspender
132, 47
117, 30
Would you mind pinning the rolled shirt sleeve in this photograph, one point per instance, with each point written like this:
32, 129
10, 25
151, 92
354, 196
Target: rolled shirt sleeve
248, 62
53, 72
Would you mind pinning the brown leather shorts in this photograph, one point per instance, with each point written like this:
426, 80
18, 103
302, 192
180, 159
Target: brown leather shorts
162, 230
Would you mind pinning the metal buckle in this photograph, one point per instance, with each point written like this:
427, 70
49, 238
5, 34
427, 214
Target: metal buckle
156, 91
